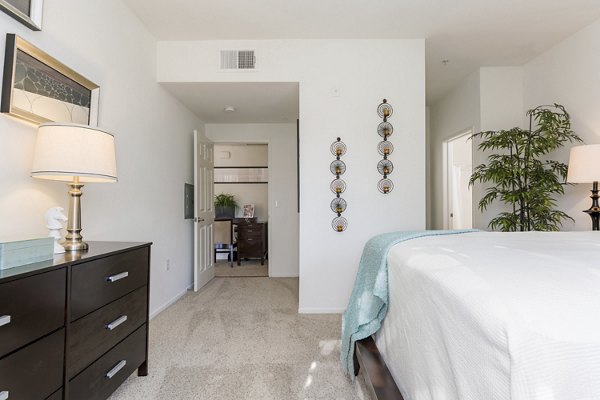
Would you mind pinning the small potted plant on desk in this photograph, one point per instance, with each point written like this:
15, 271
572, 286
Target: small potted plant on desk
225, 205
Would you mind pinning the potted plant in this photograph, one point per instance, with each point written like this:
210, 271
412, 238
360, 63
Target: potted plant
523, 176
225, 205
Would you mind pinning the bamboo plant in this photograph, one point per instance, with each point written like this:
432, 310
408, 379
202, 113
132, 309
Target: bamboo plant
521, 173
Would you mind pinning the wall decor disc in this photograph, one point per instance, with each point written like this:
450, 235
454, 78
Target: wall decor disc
337, 167
338, 148
385, 167
338, 205
385, 148
385, 186
339, 224
385, 129
384, 110
338, 186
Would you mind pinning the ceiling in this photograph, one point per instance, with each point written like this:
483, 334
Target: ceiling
271, 102
468, 33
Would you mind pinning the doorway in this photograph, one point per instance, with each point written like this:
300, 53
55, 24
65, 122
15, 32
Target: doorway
458, 195
241, 233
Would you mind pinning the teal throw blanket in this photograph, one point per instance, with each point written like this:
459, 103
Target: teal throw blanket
369, 301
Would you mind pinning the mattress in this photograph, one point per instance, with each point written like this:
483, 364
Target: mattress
494, 316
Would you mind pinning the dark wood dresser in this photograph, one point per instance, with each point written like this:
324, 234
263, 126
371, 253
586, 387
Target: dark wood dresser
77, 326
252, 241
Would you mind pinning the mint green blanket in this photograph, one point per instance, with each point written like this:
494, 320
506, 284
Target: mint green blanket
369, 301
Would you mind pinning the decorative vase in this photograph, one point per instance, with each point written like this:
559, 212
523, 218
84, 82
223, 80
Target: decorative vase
224, 212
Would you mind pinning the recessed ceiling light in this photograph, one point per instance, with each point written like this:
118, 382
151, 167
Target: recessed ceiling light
229, 109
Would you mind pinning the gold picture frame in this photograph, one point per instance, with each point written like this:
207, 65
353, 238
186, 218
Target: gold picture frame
38, 88
27, 12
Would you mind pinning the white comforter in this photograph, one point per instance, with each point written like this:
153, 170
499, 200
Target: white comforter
489, 316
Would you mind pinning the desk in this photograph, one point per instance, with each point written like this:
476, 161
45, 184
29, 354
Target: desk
231, 246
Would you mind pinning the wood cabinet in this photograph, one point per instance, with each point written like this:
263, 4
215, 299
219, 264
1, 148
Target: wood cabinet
77, 326
252, 241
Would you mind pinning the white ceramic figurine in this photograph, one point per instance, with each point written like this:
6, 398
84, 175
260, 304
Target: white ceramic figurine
54, 223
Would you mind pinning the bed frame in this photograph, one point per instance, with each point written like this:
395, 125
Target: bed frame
378, 378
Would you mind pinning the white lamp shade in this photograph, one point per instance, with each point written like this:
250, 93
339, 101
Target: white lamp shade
584, 164
64, 151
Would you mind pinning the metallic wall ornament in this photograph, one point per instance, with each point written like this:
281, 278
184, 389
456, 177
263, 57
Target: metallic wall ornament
385, 147
338, 186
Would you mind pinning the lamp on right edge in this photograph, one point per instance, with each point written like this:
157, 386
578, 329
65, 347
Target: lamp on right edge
584, 167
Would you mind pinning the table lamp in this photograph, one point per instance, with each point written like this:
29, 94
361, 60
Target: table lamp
584, 167
76, 154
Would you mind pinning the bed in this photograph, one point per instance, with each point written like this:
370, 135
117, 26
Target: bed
493, 316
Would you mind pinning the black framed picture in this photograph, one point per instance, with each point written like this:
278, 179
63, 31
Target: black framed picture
27, 12
38, 88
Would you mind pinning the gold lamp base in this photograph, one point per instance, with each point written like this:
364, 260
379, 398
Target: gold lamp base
74, 240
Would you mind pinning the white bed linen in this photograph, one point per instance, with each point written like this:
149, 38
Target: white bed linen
494, 316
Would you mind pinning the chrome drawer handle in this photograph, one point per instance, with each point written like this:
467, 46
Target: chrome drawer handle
117, 277
116, 322
4, 320
4, 395
115, 370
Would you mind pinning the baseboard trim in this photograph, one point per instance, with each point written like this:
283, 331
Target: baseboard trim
170, 302
305, 310
284, 275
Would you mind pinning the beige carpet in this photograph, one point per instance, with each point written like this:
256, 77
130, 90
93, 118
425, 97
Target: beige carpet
248, 268
242, 338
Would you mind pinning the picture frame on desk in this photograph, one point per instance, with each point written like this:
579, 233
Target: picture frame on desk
38, 88
248, 211
27, 12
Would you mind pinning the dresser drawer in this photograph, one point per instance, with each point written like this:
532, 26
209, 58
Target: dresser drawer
256, 229
31, 308
97, 283
251, 245
96, 333
36, 371
100, 379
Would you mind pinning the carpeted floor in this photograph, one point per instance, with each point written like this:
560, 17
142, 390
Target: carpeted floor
248, 268
242, 338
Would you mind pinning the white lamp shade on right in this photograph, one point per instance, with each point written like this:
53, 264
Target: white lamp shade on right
64, 151
584, 164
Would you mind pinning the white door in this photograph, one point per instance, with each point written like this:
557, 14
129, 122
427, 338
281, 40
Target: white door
204, 213
458, 172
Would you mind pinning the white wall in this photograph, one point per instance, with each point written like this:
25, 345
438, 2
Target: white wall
241, 155
362, 73
568, 74
283, 217
491, 98
102, 40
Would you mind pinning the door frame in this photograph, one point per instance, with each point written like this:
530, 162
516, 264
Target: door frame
269, 184
446, 172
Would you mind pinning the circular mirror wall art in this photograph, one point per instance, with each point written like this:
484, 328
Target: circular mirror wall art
385, 186
338, 186
339, 224
385, 147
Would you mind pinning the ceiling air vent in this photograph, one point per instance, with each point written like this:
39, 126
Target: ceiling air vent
238, 60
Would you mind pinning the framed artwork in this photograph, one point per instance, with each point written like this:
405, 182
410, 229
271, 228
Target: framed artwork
248, 211
39, 88
27, 12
